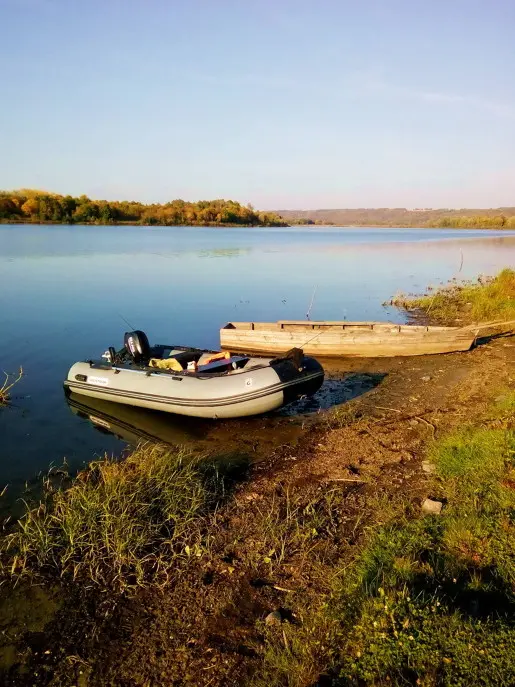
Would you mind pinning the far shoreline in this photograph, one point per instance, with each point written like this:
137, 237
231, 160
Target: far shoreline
214, 225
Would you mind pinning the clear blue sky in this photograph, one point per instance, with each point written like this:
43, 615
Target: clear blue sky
282, 103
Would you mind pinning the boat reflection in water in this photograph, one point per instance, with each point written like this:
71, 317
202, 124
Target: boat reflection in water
253, 439
134, 425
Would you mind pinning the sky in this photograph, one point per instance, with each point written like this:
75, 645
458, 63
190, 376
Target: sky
281, 103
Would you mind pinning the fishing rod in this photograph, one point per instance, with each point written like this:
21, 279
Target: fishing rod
126, 322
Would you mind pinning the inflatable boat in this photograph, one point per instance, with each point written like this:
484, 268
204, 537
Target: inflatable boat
190, 381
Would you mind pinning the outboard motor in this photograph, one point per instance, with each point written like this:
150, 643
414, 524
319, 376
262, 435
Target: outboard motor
137, 346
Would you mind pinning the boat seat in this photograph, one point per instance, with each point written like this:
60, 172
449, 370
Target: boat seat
233, 363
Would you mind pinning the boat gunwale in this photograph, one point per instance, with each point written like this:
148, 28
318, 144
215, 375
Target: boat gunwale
278, 326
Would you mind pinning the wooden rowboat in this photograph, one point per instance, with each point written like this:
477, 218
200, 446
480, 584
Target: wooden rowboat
358, 339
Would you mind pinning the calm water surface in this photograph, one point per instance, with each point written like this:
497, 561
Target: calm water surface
64, 291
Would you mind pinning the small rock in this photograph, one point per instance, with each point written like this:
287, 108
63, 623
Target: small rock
428, 467
432, 507
426, 378
274, 618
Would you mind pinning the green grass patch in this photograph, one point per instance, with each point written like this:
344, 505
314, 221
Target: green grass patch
480, 301
428, 600
120, 524
401, 640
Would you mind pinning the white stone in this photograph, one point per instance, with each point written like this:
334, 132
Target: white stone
432, 507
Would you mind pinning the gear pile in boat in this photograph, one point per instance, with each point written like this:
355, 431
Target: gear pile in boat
196, 382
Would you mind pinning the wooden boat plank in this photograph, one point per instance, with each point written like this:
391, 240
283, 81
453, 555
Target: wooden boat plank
357, 336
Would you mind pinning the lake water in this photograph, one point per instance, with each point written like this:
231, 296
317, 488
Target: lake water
64, 291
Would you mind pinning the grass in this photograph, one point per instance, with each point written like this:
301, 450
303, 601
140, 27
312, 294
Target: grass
9, 382
479, 301
428, 600
343, 416
121, 524
295, 529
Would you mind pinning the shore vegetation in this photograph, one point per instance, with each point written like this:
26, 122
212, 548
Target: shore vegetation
485, 299
488, 218
33, 206
121, 524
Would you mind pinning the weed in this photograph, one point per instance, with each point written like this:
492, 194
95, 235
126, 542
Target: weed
344, 416
293, 654
9, 382
294, 528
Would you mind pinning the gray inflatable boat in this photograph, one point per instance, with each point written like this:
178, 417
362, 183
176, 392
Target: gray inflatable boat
190, 381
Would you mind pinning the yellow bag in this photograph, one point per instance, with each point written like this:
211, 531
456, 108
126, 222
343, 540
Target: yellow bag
166, 364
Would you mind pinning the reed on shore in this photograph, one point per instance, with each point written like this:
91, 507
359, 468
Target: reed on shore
481, 300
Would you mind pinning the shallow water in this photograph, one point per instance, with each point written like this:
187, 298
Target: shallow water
66, 291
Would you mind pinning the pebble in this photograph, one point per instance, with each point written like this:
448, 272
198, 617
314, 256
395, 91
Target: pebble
432, 507
428, 467
426, 378
274, 618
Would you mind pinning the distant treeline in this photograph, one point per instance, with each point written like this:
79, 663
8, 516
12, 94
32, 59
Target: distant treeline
401, 217
27, 205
